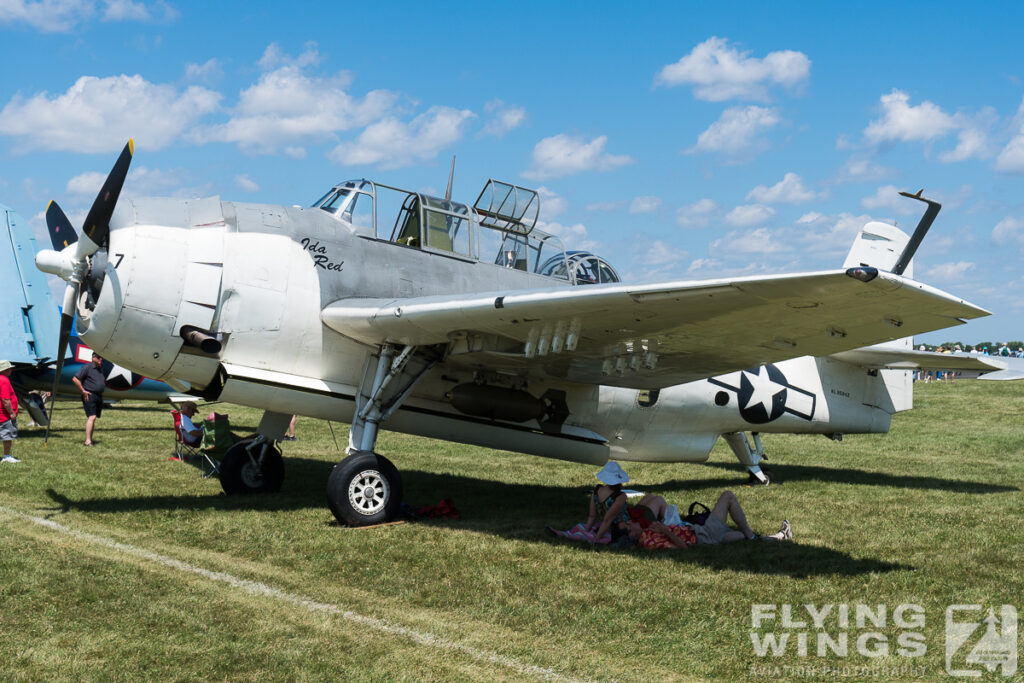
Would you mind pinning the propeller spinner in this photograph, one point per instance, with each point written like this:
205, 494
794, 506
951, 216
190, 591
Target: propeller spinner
71, 262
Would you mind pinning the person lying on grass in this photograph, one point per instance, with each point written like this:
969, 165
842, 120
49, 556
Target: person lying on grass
619, 518
714, 530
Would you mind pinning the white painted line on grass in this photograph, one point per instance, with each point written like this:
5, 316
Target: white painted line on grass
257, 588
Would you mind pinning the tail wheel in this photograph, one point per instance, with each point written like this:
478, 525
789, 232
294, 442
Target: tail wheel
258, 472
363, 489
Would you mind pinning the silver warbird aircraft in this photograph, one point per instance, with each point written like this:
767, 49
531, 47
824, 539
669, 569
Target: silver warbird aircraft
386, 307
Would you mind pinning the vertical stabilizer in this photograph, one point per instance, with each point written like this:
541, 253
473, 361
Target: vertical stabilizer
880, 245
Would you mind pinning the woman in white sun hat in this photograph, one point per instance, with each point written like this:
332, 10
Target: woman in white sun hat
608, 502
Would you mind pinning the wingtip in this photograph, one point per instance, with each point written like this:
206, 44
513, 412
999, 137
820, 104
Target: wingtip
131, 146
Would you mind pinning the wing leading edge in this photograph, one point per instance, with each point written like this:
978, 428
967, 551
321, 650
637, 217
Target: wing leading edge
657, 335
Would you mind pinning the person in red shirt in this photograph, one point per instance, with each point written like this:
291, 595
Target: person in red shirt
8, 412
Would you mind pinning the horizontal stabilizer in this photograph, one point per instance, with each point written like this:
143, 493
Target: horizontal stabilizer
1013, 368
888, 358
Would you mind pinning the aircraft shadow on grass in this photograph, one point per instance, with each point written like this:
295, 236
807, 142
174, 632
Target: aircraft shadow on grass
512, 510
786, 473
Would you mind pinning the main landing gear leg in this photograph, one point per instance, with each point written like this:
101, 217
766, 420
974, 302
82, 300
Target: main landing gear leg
750, 456
254, 465
365, 488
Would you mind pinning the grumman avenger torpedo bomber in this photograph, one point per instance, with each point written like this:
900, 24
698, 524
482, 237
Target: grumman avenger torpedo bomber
385, 307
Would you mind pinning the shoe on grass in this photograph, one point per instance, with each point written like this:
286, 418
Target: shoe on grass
786, 530
9, 458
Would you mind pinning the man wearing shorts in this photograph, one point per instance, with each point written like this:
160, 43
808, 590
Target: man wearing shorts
91, 382
715, 530
8, 412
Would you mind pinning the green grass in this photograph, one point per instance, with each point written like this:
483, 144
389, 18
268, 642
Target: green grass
929, 514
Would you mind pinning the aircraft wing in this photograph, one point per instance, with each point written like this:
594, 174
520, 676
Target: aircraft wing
883, 357
657, 335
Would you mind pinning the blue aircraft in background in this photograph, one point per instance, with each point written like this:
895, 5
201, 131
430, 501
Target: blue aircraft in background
29, 333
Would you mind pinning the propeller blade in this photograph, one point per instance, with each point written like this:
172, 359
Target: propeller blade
61, 232
97, 223
67, 320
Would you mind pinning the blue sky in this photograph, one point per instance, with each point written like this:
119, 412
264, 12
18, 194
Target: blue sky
680, 141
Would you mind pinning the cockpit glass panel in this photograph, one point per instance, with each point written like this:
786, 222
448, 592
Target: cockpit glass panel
448, 225
335, 201
359, 212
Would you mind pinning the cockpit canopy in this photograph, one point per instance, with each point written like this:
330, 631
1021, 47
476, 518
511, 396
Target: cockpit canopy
499, 227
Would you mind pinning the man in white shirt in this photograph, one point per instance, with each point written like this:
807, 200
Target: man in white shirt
189, 432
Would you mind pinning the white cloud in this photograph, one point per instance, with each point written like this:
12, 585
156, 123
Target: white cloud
750, 214
789, 190
645, 205
1009, 231
949, 271
127, 10
902, 122
828, 235
286, 107
888, 197
760, 241
49, 16
971, 142
503, 118
391, 143
207, 72
273, 57
696, 215
86, 184
551, 204
1011, 158
719, 72
141, 182
861, 170
661, 254
704, 265
562, 155
98, 115
61, 16
573, 236
735, 133
246, 183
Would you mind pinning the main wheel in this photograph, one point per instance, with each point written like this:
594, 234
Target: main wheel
363, 489
240, 473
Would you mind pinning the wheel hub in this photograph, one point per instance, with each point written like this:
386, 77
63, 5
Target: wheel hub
252, 475
368, 492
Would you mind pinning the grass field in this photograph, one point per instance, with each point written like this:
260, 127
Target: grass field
118, 564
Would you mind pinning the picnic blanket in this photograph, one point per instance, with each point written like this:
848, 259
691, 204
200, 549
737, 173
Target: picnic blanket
579, 533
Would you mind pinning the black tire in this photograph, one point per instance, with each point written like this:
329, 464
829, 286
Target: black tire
238, 474
364, 489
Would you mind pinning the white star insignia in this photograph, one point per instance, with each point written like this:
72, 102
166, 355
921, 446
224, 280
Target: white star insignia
764, 389
118, 371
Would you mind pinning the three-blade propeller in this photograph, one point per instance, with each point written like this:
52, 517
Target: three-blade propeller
72, 263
